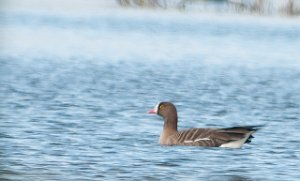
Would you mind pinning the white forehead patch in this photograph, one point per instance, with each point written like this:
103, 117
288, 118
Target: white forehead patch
156, 108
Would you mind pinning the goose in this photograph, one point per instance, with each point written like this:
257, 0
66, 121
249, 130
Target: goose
232, 137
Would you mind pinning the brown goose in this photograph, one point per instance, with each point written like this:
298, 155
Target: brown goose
233, 137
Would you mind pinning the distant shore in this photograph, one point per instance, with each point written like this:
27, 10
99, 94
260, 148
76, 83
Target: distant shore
262, 7
276, 8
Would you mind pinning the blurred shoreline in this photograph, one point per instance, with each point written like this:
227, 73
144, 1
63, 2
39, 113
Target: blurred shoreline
261, 7
271, 8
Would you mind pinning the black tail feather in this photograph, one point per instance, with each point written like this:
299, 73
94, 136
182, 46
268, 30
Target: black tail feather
248, 128
249, 139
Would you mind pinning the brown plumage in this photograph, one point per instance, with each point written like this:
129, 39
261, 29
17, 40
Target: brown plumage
233, 137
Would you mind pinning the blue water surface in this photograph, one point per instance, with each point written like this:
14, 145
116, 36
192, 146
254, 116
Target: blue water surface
75, 89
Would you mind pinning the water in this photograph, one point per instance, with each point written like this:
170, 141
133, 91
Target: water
75, 88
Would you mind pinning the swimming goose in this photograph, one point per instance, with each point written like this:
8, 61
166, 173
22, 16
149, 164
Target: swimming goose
233, 137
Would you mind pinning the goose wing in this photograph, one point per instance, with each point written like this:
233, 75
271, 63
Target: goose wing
213, 137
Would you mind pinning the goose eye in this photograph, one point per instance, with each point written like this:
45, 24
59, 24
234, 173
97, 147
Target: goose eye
161, 106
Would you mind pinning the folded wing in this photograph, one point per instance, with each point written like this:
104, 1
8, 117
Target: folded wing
233, 137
